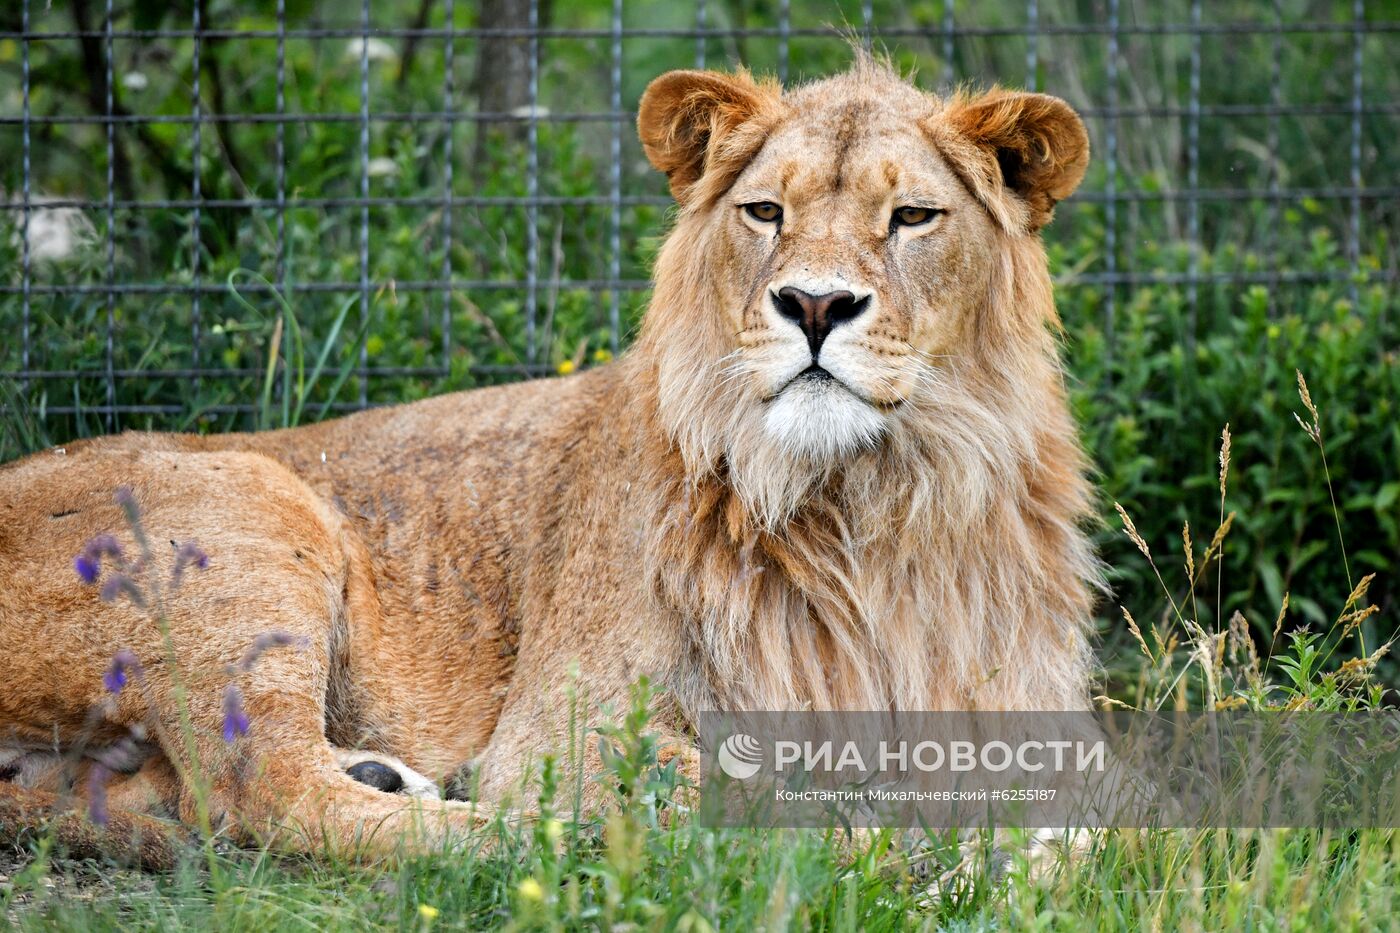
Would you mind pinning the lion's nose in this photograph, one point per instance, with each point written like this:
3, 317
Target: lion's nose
818, 314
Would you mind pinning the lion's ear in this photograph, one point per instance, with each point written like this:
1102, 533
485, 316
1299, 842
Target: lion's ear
1032, 145
696, 122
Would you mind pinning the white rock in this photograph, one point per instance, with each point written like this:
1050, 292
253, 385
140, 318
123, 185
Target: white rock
382, 167
376, 50
55, 233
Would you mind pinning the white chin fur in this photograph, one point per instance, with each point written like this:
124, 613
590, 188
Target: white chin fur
820, 420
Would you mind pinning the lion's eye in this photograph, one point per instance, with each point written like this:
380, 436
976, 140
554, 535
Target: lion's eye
764, 211
912, 216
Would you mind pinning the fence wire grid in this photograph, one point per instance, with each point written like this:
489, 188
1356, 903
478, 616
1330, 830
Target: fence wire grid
208, 205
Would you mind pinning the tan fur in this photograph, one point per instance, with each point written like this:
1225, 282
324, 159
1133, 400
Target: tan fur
904, 534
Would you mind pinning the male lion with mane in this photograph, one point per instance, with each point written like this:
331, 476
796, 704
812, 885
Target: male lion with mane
836, 471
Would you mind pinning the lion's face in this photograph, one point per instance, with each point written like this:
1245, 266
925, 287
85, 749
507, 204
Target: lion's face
852, 230
854, 245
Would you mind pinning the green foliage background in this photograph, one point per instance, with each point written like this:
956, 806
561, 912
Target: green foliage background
1155, 374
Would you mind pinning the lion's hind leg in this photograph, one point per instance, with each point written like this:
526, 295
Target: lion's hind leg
128, 837
259, 710
92, 812
224, 669
249, 747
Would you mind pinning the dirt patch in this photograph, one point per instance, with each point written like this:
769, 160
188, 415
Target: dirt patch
65, 880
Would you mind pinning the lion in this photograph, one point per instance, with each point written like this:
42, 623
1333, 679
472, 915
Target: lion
836, 470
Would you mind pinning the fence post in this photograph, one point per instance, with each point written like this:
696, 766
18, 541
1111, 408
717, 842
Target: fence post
364, 199
26, 195
615, 181
1111, 197
449, 126
111, 234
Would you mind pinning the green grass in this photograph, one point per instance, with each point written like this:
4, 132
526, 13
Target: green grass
631, 877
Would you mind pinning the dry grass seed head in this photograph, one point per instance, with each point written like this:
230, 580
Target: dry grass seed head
1352, 620
1131, 530
1359, 592
1224, 458
1137, 632
1282, 612
1190, 555
1314, 430
1242, 645
1218, 538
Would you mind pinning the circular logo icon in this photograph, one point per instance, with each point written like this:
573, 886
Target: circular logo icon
740, 756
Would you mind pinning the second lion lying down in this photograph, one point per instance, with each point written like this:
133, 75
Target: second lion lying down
836, 471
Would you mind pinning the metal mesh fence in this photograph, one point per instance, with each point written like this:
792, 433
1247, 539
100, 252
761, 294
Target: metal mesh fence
218, 211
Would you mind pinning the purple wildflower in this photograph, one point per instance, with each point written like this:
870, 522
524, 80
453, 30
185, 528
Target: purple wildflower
188, 555
235, 719
268, 640
97, 794
127, 500
123, 662
119, 583
89, 563
87, 568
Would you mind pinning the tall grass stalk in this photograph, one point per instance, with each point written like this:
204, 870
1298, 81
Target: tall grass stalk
293, 403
